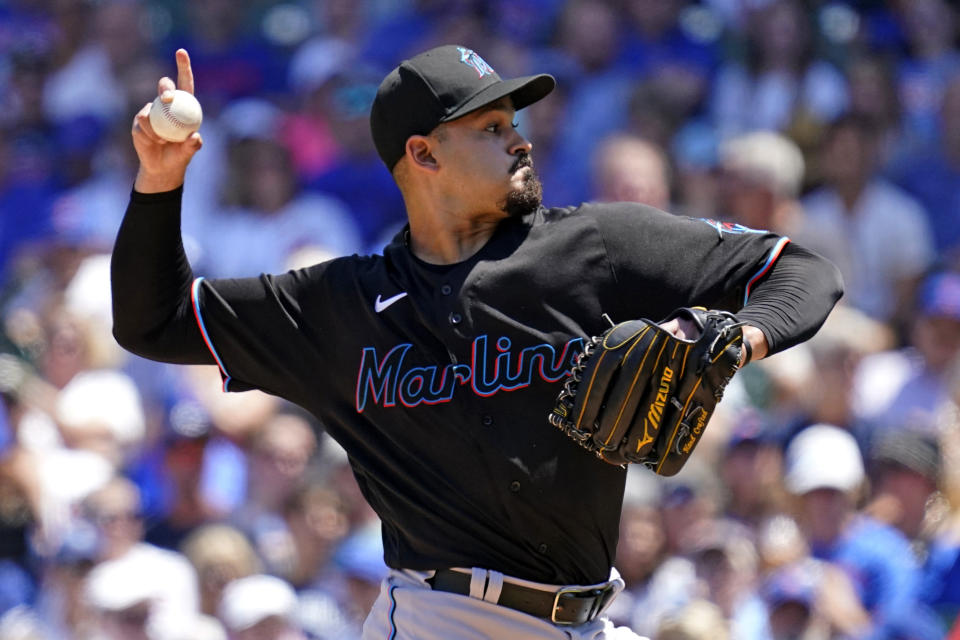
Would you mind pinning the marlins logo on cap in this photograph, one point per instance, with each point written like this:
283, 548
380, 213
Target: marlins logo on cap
471, 58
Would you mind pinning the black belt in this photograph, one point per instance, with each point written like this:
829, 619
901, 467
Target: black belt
566, 606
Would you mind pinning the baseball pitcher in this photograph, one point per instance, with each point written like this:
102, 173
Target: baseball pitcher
492, 374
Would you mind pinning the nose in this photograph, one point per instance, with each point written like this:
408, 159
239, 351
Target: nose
520, 145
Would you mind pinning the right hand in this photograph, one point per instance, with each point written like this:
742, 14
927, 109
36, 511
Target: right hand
682, 328
163, 164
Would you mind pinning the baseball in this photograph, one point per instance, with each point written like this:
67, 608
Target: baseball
176, 120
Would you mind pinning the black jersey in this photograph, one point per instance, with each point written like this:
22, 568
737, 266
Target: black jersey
437, 380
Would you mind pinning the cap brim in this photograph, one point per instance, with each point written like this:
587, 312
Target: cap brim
524, 91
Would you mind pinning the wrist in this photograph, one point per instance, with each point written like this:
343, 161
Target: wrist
754, 344
148, 182
746, 353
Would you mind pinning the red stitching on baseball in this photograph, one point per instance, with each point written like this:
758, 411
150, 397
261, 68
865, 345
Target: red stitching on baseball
165, 109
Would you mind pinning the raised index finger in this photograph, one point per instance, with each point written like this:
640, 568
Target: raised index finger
184, 72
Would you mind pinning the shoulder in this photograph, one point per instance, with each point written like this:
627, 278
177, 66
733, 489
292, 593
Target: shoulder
627, 223
603, 212
353, 264
344, 268
610, 223
874, 538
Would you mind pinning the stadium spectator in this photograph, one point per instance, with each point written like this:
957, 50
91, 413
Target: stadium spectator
219, 554
780, 82
824, 470
931, 59
726, 562
873, 231
699, 620
629, 169
116, 586
260, 607
751, 469
933, 175
762, 173
354, 175
905, 388
265, 217
278, 457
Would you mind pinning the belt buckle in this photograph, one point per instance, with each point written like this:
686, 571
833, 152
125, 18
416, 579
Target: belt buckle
601, 598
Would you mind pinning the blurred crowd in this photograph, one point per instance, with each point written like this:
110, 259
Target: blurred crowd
139, 501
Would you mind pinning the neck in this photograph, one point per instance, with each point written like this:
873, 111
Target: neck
446, 235
438, 245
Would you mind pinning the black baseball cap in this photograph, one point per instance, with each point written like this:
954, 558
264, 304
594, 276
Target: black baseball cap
440, 85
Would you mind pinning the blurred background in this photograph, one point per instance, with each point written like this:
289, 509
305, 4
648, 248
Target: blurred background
824, 501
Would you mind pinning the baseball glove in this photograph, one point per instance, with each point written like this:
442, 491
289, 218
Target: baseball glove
640, 394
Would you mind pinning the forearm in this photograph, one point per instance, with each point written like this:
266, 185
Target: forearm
792, 302
151, 278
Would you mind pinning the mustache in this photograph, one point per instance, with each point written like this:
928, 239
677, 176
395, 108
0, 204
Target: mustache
523, 160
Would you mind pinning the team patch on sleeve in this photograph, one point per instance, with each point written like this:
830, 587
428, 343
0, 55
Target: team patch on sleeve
729, 227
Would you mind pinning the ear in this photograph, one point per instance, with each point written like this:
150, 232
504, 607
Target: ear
419, 151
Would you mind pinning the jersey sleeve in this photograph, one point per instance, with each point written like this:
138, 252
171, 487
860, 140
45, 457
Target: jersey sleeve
684, 261
257, 329
150, 280
664, 261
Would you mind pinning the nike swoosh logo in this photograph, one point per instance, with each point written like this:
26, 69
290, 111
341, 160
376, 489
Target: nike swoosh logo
379, 305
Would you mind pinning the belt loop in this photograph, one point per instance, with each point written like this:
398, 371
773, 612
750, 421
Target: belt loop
494, 587
478, 582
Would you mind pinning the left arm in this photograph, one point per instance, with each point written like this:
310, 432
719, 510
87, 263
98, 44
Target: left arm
790, 305
781, 290
787, 307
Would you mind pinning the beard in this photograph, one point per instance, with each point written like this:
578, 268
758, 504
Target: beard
528, 197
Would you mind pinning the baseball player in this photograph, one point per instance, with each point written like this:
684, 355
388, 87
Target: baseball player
435, 364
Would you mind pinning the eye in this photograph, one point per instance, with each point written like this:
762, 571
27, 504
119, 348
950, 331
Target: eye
492, 127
